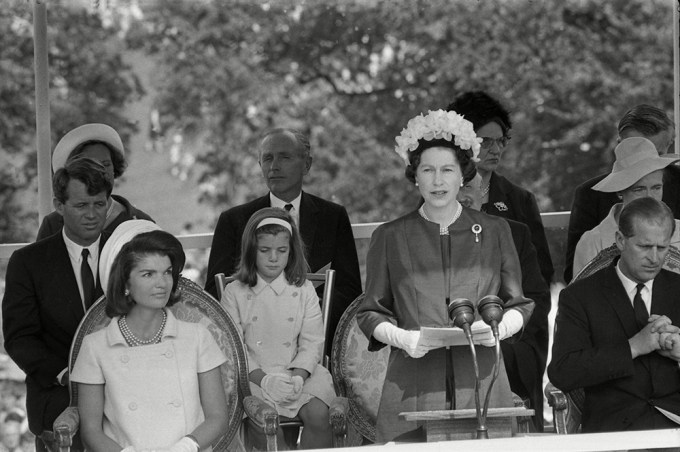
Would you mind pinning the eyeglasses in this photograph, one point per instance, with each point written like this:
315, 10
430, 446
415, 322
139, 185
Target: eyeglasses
487, 143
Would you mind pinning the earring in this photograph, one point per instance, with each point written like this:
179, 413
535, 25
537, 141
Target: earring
416, 184
127, 293
461, 185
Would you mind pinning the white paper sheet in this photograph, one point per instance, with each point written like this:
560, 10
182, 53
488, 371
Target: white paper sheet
443, 337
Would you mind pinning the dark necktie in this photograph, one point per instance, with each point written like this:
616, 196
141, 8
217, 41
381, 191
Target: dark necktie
641, 314
87, 279
288, 207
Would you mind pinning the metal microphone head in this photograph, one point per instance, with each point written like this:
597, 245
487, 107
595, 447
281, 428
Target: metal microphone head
462, 312
490, 308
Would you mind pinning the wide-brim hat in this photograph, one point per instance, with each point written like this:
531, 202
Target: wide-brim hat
82, 134
635, 158
125, 232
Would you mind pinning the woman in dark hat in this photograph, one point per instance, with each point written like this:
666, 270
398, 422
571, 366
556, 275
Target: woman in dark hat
500, 196
103, 144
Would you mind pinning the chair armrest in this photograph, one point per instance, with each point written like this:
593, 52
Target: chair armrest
262, 414
566, 413
338, 419
65, 426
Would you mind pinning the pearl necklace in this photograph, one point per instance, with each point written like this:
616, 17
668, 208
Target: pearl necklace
443, 230
134, 341
485, 190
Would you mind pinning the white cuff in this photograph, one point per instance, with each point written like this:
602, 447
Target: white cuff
512, 322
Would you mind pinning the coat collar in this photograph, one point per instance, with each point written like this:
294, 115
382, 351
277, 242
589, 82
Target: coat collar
278, 285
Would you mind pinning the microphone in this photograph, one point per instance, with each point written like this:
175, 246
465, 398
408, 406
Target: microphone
462, 313
490, 308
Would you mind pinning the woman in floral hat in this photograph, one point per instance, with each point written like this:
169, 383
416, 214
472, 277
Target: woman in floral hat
417, 263
501, 197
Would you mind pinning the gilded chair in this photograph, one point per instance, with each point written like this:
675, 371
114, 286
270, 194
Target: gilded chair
567, 407
359, 376
196, 306
263, 420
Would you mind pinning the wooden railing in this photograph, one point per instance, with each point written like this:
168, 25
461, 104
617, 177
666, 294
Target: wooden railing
361, 231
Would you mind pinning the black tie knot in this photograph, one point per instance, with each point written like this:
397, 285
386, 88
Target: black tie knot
288, 207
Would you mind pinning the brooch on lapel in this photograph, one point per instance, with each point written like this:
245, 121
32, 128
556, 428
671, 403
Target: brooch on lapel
500, 205
476, 230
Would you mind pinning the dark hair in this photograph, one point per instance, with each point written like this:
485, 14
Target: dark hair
150, 243
117, 157
645, 209
480, 109
296, 268
645, 119
464, 158
302, 140
86, 170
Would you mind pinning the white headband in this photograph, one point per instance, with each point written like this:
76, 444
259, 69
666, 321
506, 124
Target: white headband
272, 220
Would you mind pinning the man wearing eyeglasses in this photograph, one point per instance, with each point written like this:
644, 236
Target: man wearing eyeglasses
501, 197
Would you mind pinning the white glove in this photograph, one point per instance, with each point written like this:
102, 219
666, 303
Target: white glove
298, 383
184, 445
409, 341
280, 387
512, 322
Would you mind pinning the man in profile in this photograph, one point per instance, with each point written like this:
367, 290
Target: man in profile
49, 286
590, 207
285, 158
615, 333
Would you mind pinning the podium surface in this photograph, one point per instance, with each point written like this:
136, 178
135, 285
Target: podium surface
447, 425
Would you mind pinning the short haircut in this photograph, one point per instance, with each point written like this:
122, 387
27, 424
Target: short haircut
296, 268
302, 140
152, 243
480, 109
117, 158
464, 158
86, 170
646, 209
645, 119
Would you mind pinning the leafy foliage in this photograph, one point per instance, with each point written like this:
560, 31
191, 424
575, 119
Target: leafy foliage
352, 73
89, 82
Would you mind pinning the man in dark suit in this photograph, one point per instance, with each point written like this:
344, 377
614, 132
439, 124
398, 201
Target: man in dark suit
590, 207
605, 339
49, 286
526, 352
285, 159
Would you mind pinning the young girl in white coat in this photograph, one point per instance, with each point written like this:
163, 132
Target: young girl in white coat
278, 311
148, 381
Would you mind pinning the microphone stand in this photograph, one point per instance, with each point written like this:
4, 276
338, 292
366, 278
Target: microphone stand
461, 312
491, 309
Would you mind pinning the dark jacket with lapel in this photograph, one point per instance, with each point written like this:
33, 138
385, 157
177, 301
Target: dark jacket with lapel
510, 201
594, 322
525, 353
41, 310
590, 207
327, 235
